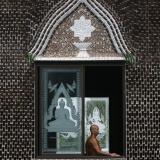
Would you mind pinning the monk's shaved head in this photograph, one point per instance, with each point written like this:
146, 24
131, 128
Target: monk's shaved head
94, 129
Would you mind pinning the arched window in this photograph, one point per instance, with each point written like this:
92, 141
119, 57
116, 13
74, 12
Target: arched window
79, 57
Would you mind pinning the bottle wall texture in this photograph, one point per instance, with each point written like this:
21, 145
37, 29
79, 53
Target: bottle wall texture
19, 21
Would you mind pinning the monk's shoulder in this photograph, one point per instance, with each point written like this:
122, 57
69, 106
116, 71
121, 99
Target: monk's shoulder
91, 141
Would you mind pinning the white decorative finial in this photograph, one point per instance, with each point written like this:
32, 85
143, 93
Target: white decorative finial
82, 28
83, 47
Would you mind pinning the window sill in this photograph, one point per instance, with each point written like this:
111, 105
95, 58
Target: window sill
79, 157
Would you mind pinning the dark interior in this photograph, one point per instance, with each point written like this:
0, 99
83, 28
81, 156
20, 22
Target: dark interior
107, 81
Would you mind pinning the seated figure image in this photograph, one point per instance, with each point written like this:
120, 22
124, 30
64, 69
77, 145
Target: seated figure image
63, 119
93, 146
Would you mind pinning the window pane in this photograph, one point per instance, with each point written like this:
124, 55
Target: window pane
60, 103
97, 112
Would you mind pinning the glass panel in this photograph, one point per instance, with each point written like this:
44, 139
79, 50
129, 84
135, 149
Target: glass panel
97, 112
60, 110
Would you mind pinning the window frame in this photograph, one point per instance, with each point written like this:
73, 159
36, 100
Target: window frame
81, 65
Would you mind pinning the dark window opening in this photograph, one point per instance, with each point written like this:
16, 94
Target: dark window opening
66, 83
107, 81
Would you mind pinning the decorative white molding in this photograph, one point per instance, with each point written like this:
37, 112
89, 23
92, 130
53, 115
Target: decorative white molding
113, 24
42, 58
51, 25
64, 11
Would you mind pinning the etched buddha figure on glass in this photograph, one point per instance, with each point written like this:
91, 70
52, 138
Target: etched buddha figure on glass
63, 118
61, 110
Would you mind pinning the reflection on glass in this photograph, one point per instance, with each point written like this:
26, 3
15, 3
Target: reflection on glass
97, 112
61, 110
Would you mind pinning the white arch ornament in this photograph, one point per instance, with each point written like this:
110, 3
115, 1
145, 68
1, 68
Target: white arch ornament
54, 20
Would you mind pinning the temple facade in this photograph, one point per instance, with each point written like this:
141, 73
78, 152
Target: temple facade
69, 64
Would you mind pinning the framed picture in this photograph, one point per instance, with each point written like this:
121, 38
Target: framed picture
97, 112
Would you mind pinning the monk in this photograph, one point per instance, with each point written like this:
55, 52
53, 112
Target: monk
92, 144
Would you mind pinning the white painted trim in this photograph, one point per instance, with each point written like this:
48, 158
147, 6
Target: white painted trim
40, 58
